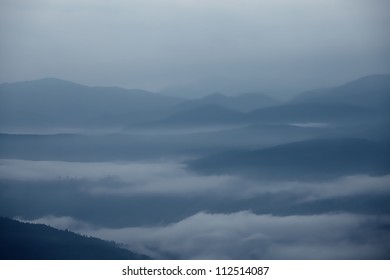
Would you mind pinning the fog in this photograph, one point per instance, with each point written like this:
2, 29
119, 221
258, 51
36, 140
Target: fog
244, 235
198, 129
172, 178
165, 209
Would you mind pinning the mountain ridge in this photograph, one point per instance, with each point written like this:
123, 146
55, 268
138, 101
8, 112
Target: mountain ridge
27, 241
371, 90
302, 160
244, 102
54, 102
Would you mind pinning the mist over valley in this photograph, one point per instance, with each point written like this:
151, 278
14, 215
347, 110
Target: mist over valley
199, 171
194, 129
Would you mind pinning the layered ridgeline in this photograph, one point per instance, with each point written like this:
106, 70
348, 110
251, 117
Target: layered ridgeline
53, 102
362, 104
370, 91
317, 159
57, 103
28, 241
315, 155
245, 102
365, 99
206, 114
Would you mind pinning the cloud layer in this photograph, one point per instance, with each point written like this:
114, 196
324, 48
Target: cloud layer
244, 235
163, 210
173, 179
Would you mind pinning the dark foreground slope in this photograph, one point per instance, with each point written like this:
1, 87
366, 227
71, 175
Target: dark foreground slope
306, 160
25, 241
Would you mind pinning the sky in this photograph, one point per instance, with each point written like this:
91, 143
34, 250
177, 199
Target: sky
195, 47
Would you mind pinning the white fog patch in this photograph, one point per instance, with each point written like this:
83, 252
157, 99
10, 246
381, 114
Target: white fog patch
310, 125
181, 130
348, 186
121, 178
172, 178
244, 235
339, 187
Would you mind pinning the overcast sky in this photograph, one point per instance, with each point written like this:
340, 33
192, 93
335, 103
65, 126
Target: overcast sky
278, 46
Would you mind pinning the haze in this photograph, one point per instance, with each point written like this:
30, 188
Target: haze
195, 47
195, 129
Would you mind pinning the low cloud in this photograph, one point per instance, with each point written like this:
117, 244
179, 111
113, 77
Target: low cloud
172, 178
348, 186
339, 187
119, 178
157, 208
315, 125
244, 235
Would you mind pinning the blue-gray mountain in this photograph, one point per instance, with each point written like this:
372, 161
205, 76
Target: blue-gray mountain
244, 103
57, 103
138, 168
317, 159
25, 241
53, 102
208, 114
313, 112
369, 91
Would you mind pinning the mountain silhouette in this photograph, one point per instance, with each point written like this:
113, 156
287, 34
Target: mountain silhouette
25, 241
315, 159
311, 112
54, 102
209, 114
369, 91
244, 103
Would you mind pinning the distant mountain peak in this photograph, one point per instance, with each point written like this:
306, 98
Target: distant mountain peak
244, 103
371, 80
52, 79
205, 114
258, 96
52, 82
216, 96
49, 101
247, 94
374, 77
44, 82
371, 91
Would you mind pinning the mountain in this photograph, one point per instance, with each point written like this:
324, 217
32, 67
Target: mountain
311, 112
53, 102
315, 159
244, 103
253, 100
364, 100
208, 114
25, 241
369, 91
